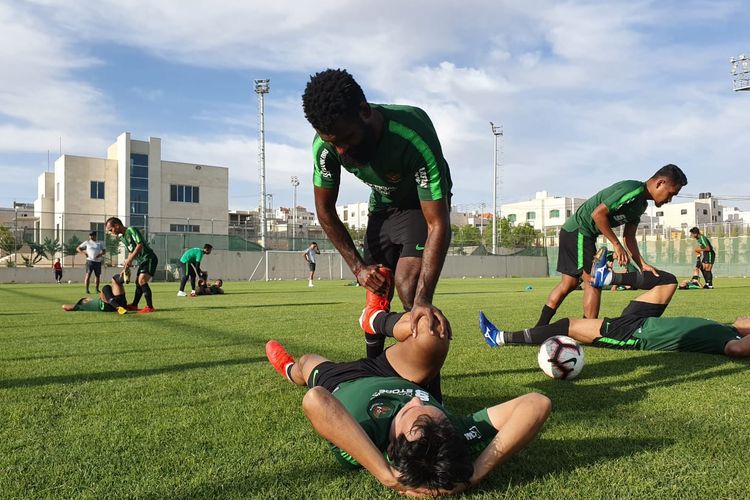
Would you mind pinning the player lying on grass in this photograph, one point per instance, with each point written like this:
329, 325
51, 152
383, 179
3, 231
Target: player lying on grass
376, 414
639, 326
204, 288
111, 298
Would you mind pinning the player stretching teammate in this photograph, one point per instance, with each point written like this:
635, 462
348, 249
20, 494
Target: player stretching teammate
191, 267
708, 259
395, 150
141, 253
111, 299
621, 203
376, 414
639, 327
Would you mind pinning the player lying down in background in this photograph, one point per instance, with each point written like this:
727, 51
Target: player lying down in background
639, 327
110, 299
376, 414
204, 288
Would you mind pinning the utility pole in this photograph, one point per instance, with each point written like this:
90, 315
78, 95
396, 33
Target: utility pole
295, 184
262, 87
497, 131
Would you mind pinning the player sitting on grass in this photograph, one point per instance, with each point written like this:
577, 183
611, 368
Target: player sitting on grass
204, 288
111, 298
639, 327
376, 414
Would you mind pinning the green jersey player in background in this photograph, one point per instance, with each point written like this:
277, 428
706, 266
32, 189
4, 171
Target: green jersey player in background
620, 203
377, 414
707, 259
140, 253
395, 150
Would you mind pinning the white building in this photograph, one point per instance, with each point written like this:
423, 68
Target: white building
706, 210
354, 214
543, 211
136, 185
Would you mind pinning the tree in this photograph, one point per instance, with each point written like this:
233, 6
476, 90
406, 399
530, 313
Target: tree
8, 243
70, 248
45, 250
111, 246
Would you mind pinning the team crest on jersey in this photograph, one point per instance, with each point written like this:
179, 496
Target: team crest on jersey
379, 410
393, 177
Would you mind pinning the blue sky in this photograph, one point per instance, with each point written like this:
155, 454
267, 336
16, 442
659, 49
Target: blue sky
588, 93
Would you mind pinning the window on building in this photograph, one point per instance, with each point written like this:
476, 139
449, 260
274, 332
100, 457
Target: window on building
530, 215
554, 214
184, 194
683, 211
97, 190
660, 213
138, 190
99, 228
511, 218
184, 228
567, 213
705, 212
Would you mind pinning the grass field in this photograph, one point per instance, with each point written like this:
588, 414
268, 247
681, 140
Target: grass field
183, 404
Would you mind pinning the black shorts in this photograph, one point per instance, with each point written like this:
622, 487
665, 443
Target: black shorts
94, 267
576, 253
311, 265
119, 299
330, 375
394, 233
709, 257
617, 333
58, 275
148, 266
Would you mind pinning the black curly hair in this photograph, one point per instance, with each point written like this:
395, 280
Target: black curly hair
673, 174
330, 95
438, 459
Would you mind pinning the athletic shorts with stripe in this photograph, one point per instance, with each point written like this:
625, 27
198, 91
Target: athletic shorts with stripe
394, 233
330, 375
709, 257
148, 266
617, 333
576, 253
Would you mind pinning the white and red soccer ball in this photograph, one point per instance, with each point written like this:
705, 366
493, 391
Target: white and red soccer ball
561, 357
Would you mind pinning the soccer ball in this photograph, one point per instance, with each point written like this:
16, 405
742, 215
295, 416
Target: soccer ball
561, 357
70, 281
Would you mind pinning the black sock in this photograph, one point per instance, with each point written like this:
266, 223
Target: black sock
110, 296
383, 324
695, 278
147, 293
546, 316
709, 277
137, 295
538, 334
644, 281
374, 345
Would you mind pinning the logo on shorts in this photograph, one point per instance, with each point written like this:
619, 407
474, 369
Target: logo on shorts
420, 247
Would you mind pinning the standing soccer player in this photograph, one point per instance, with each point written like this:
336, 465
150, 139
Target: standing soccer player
309, 255
57, 267
191, 266
620, 203
395, 150
94, 251
707, 259
138, 252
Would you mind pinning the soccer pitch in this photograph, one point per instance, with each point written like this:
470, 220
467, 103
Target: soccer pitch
183, 404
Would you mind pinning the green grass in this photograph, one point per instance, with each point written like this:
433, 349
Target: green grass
182, 403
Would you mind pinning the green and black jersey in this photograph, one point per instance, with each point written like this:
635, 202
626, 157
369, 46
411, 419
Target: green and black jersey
375, 401
704, 243
407, 166
131, 238
684, 334
626, 201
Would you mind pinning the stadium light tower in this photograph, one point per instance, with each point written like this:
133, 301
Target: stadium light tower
262, 87
497, 131
295, 184
740, 72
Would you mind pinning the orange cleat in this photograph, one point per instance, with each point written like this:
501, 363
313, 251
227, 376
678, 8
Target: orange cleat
278, 357
375, 303
147, 310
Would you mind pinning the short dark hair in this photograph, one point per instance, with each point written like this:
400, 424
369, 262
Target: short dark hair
313, 243
92, 233
208, 246
330, 95
673, 174
113, 220
438, 459
695, 230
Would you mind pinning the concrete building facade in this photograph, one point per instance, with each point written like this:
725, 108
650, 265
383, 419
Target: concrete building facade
544, 211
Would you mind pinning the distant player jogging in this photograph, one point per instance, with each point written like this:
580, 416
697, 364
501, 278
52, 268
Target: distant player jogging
139, 253
707, 258
639, 326
620, 203
190, 267
376, 414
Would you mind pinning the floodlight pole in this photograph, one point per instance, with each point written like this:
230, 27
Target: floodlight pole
497, 131
262, 87
740, 72
295, 183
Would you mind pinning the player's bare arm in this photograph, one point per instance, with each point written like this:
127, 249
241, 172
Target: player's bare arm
133, 255
601, 220
436, 246
325, 205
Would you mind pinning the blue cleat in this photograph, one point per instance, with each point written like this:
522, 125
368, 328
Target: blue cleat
601, 274
492, 335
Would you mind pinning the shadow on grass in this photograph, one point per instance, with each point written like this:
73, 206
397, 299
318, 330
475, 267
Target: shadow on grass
122, 374
248, 306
